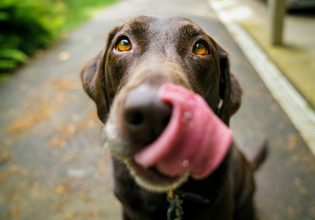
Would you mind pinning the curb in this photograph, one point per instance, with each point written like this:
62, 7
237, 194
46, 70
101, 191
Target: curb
300, 113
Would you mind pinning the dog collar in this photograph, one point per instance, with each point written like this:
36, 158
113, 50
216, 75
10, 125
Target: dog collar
219, 107
220, 104
176, 198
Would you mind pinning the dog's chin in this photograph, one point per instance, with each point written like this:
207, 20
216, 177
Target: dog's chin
151, 179
148, 178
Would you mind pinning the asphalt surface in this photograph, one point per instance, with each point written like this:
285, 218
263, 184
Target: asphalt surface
51, 162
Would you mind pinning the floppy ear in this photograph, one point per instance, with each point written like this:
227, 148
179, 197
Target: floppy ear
230, 89
92, 76
93, 80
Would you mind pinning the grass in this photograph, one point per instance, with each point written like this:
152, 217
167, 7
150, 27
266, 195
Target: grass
78, 11
296, 63
4, 77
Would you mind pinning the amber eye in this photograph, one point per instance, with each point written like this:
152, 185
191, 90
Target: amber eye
124, 45
200, 49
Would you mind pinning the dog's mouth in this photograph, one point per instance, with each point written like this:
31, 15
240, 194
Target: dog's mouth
193, 143
153, 180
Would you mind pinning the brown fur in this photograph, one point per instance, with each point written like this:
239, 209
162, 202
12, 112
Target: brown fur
162, 53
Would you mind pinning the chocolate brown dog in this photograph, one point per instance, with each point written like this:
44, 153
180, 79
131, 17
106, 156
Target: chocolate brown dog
124, 79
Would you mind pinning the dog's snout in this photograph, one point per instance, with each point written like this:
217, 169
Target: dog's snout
145, 115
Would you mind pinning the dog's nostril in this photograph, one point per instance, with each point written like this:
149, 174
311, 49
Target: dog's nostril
145, 115
166, 120
134, 117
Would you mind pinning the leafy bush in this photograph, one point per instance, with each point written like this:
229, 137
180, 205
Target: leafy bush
26, 26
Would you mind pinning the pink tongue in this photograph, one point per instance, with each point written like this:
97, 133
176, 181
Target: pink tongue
195, 140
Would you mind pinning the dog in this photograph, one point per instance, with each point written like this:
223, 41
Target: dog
124, 81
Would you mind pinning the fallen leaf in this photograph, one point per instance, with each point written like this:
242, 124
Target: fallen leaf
5, 155
64, 56
60, 189
29, 120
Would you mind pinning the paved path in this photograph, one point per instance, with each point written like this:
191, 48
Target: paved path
51, 163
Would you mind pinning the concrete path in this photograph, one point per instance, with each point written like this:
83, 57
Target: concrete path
51, 163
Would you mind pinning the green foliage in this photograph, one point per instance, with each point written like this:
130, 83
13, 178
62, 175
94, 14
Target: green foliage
27, 25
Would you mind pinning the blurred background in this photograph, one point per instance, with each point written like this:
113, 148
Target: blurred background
51, 163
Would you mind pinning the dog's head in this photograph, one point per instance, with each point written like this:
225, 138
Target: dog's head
140, 56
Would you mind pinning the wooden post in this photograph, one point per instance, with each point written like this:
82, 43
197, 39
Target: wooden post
277, 10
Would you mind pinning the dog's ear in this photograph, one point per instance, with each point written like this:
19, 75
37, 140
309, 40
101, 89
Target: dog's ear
93, 79
92, 76
230, 89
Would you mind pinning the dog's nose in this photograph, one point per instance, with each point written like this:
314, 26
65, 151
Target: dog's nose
145, 115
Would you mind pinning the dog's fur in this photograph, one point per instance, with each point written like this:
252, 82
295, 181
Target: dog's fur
162, 52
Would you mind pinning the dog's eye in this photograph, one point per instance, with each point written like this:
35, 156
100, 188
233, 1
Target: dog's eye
200, 48
123, 45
